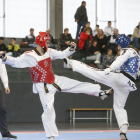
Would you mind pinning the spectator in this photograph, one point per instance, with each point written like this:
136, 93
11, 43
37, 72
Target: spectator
118, 54
84, 41
13, 48
31, 39
87, 25
107, 59
52, 45
101, 41
95, 31
136, 36
94, 52
65, 39
81, 17
2, 45
108, 29
113, 46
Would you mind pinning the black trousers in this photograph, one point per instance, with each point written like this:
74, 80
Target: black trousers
3, 113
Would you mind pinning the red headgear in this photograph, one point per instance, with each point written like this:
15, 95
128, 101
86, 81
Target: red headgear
41, 39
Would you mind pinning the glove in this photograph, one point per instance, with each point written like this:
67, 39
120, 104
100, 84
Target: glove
107, 71
72, 46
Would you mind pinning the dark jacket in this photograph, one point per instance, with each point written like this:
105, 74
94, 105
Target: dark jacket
92, 50
30, 39
51, 39
64, 38
81, 14
101, 42
3, 47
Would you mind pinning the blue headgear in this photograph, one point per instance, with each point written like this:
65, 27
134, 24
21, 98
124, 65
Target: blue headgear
123, 40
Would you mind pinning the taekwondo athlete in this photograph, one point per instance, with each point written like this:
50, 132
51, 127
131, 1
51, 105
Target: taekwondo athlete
121, 76
46, 83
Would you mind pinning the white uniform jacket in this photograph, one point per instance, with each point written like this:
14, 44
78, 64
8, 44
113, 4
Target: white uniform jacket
3, 74
26, 60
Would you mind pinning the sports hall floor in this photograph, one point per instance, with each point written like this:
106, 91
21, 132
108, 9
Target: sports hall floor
77, 131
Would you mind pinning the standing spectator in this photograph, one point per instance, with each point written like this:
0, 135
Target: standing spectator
108, 29
112, 45
2, 45
95, 31
136, 36
84, 41
31, 38
13, 48
87, 25
52, 45
94, 52
81, 17
107, 59
65, 39
3, 114
101, 41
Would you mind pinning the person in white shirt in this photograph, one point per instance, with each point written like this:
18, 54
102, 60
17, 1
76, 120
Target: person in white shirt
108, 29
112, 45
3, 114
121, 76
46, 83
95, 31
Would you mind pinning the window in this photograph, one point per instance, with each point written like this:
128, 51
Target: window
21, 15
105, 12
1, 17
127, 15
69, 10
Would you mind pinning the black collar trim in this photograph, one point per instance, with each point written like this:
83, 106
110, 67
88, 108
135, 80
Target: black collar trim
37, 52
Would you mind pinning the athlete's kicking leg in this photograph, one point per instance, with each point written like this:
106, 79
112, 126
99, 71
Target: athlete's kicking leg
120, 83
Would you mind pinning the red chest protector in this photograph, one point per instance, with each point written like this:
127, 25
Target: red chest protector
43, 71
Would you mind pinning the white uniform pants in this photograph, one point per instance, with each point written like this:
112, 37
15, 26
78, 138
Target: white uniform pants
47, 99
120, 83
94, 57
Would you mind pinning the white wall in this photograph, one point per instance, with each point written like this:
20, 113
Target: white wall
127, 14
21, 15
1, 17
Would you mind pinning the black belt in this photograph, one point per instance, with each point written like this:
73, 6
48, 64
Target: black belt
55, 85
128, 76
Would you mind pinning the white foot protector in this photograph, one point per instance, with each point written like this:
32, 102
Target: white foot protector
67, 62
105, 93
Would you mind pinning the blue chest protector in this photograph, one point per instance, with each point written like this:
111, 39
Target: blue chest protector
130, 66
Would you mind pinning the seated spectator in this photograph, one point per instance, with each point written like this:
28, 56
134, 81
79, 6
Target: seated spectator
136, 36
65, 39
101, 41
94, 52
31, 38
52, 45
107, 59
13, 48
109, 30
84, 41
87, 25
95, 31
2, 45
118, 54
112, 45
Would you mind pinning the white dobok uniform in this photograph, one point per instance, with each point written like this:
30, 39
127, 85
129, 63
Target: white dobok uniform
122, 84
30, 59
